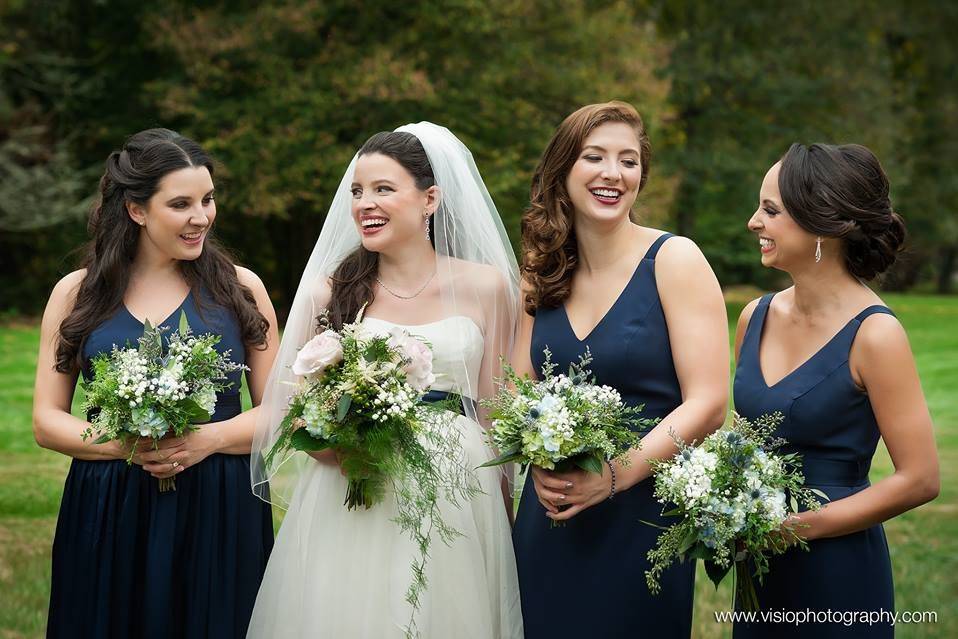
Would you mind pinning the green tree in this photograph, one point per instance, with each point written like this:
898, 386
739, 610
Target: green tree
747, 80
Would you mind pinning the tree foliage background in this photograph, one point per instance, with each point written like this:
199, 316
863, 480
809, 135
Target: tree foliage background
283, 92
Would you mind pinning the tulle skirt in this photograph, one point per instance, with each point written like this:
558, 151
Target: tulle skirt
341, 573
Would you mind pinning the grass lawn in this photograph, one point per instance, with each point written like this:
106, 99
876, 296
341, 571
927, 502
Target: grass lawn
924, 542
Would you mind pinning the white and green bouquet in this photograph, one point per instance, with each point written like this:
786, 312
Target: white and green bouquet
152, 392
731, 495
360, 394
562, 421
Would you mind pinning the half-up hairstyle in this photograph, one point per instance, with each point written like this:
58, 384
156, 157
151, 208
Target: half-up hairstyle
353, 281
133, 175
549, 250
842, 192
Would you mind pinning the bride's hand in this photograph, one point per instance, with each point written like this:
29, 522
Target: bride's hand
328, 456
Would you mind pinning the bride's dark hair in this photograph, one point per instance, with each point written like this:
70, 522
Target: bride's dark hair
133, 175
353, 281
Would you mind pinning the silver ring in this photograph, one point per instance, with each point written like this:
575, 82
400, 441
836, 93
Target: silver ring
174, 464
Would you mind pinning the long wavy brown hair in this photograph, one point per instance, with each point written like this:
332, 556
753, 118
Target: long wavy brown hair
132, 174
549, 249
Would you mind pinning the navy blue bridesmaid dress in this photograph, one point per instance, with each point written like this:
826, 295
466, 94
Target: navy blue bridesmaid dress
830, 422
587, 579
129, 561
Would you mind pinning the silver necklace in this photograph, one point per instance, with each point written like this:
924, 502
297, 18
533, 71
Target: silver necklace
406, 297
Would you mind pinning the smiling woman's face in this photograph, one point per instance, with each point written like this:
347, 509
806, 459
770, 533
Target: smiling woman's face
179, 215
387, 207
605, 178
783, 243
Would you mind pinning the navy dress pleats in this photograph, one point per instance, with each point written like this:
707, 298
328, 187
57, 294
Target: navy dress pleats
587, 579
129, 561
830, 422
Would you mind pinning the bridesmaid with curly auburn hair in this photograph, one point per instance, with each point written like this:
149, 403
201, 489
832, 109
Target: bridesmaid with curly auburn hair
648, 307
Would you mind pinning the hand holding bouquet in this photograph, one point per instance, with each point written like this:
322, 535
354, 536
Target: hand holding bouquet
144, 392
360, 394
562, 421
732, 496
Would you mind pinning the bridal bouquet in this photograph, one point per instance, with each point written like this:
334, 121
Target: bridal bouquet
562, 421
144, 392
360, 394
731, 494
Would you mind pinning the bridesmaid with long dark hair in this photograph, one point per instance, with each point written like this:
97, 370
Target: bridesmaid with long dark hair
128, 560
648, 307
834, 360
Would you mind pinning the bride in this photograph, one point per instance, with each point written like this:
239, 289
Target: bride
413, 236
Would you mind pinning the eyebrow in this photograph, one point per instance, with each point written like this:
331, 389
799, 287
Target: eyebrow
187, 197
599, 148
375, 182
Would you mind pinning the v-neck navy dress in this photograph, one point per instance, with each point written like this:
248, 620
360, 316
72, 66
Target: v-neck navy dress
830, 422
130, 561
587, 579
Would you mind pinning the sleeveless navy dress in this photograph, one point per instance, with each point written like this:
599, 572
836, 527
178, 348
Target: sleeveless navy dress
129, 561
830, 422
600, 554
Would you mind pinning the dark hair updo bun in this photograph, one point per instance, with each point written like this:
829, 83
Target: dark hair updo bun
842, 191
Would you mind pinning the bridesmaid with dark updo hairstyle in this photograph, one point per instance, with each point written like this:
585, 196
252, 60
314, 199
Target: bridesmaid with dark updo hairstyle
834, 360
128, 560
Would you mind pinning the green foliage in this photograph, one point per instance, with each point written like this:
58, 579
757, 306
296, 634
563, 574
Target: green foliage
149, 391
749, 79
562, 422
362, 405
282, 93
730, 497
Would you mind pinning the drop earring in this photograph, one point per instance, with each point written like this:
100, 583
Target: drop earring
818, 250
428, 237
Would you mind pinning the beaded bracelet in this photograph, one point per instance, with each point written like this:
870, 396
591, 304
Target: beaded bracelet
611, 470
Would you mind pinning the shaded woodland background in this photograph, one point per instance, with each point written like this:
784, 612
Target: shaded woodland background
282, 93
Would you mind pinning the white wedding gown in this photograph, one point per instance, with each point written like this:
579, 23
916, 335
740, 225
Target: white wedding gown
343, 574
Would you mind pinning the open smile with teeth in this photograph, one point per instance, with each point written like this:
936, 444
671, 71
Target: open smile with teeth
766, 244
372, 222
606, 196
190, 237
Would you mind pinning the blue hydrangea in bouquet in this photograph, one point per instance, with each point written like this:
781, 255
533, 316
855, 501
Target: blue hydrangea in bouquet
562, 421
149, 391
731, 496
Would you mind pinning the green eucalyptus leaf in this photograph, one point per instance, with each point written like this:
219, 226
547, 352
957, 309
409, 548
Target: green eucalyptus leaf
343, 407
590, 463
196, 413
688, 541
504, 458
716, 572
302, 440
184, 325
700, 551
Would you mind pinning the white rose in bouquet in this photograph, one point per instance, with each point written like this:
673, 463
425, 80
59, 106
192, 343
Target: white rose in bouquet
318, 354
418, 364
